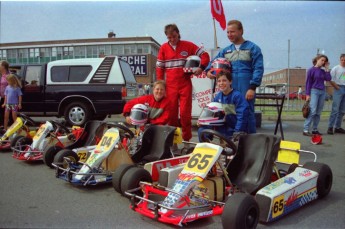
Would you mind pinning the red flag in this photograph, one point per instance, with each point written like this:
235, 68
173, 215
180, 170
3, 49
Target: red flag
218, 12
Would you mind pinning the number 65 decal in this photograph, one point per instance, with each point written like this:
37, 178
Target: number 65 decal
201, 160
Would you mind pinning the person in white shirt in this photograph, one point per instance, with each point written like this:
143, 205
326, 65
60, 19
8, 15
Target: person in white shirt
338, 106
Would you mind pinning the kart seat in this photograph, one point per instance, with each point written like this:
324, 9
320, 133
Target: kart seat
156, 143
92, 131
252, 166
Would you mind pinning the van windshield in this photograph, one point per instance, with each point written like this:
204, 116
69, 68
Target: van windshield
127, 72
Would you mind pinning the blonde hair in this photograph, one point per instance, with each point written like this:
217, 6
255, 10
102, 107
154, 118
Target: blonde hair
160, 82
13, 81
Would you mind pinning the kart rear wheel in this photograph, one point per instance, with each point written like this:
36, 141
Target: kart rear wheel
325, 179
49, 154
20, 142
118, 174
240, 211
58, 159
132, 178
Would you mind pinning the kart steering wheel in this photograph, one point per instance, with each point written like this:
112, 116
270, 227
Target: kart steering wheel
27, 119
127, 131
58, 126
206, 134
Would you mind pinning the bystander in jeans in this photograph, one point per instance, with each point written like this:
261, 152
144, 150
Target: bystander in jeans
338, 105
316, 92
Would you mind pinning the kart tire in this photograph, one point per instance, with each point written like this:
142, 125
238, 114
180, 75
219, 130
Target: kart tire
240, 211
325, 179
132, 178
292, 168
49, 154
118, 174
58, 159
18, 141
77, 113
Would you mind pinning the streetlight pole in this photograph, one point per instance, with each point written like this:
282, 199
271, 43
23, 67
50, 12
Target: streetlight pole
288, 76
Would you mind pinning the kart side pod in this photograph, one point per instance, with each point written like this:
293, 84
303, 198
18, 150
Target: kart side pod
312, 181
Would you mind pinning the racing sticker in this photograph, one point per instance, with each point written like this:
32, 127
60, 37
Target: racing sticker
201, 161
278, 206
107, 141
40, 131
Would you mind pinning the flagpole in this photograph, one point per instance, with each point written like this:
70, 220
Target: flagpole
215, 34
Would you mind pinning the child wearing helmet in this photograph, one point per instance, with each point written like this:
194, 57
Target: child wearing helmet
157, 107
228, 113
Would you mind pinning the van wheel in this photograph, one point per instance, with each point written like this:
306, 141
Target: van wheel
77, 113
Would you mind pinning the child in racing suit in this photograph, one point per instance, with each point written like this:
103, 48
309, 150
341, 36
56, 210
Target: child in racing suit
157, 103
235, 106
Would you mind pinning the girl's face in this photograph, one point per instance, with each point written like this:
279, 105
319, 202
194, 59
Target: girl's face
223, 84
321, 62
159, 92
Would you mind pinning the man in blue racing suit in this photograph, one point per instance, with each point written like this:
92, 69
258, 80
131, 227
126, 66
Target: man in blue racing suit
247, 66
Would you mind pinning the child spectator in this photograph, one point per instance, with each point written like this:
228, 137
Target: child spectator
13, 98
157, 103
235, 106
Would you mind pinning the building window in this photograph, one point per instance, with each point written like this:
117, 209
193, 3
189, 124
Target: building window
107, 50
139, 49
79, 51
59, 52
23, 53
130, 49
54, 52
70, 73
12, 53
45, 52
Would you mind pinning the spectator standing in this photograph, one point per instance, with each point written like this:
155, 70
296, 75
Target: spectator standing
338, 105
141, 90
299, 92
315, 92
147, 89
170, 62
247, 66
4, 72
13, 98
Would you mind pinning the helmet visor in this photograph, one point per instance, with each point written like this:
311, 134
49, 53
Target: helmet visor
221, 66
138, 115
192, 64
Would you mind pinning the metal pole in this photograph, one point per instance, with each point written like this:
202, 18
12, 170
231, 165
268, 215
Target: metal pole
215, 35
288, 76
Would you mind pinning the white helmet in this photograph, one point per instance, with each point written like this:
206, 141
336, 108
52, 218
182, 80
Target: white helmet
192, 63
139, 114
213, 114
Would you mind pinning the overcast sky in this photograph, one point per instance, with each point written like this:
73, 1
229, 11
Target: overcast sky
309, 25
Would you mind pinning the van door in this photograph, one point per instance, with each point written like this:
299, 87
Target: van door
33, 89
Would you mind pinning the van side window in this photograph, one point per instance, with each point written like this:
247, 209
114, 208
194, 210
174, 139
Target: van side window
33, 76
70, 73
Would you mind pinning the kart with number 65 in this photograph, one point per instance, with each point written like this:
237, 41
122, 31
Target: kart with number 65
244, 191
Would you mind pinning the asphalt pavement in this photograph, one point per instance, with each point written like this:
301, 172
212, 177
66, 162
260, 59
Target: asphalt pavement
31, 196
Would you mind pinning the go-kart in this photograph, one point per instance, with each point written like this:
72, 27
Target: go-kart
89, 138
111, 153
51, 133
242, 191
16, 131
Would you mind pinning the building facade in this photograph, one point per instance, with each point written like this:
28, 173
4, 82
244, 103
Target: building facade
278, 81
140, 52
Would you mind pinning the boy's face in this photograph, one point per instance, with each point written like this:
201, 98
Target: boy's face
159, 92
223, 83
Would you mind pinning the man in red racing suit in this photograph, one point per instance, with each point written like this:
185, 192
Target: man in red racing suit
171, 60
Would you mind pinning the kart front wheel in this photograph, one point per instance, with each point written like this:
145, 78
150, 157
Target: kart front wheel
118, 174
132, 178
325, 178
59, 157
20, 142
240, 211
49, 154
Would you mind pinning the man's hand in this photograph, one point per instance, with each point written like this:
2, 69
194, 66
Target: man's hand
128, 120
210, 75
20, 106
307, 98
198, 71
250, 94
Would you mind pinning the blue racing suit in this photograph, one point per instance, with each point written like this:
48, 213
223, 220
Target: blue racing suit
236, 110
247, 71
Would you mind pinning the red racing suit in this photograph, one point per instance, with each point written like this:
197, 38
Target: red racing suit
159, 112
178, 84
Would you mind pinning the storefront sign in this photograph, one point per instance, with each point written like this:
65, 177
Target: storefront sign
138, 64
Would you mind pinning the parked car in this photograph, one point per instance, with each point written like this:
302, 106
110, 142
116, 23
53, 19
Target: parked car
76, 89
294, 95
